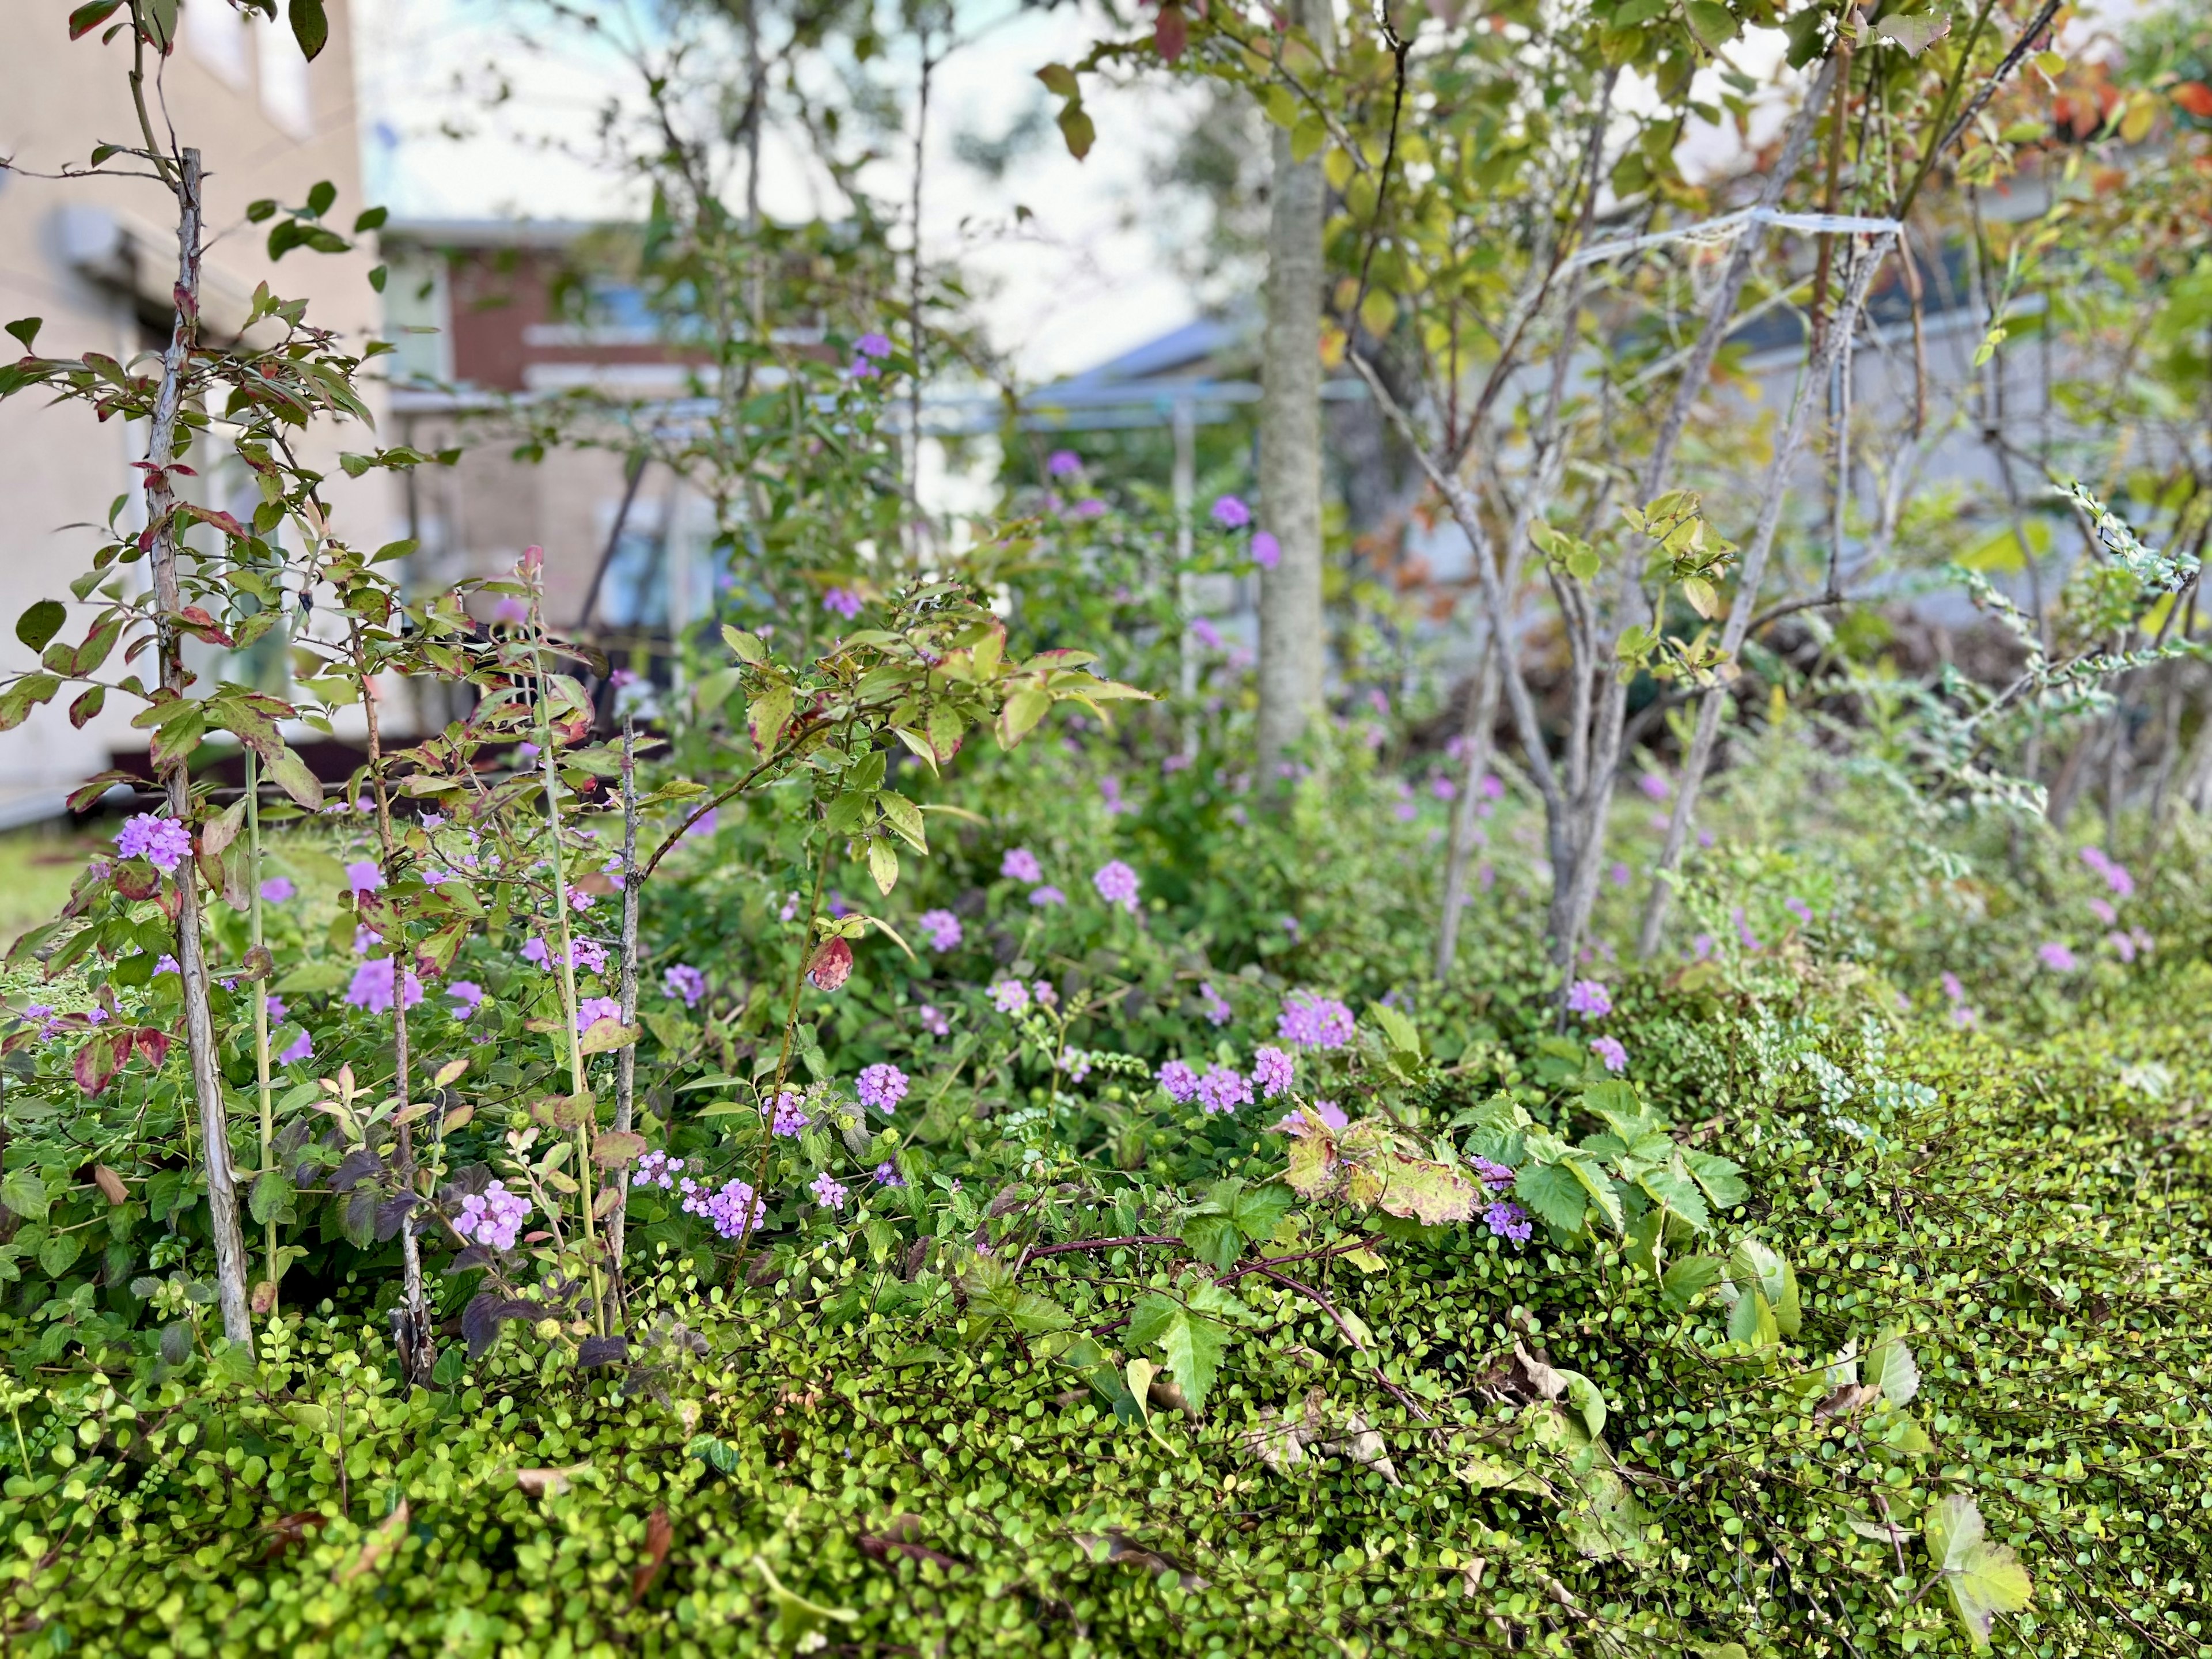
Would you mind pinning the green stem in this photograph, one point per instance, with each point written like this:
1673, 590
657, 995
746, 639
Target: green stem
783, 1057
587, 1179
260, 993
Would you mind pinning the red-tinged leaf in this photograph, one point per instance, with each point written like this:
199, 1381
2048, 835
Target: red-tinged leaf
135, 878
1169, 32
90, 16
99, 1059
196, 622
832, 965
2195, 97
153, 1045
88, 704
83, 798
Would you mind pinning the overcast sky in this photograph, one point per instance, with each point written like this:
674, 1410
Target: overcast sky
1083, 279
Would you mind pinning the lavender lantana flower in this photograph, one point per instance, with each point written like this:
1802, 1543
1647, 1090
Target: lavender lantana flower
1587, 997
1266, 551
374, 982
685, 981
887, 1175
363, 876
1117, 884
299, 1051
788, 1117
1180, 1081
468, 996
1610, 1052
1223, 1089
1230, 512
828, 1192
1309, 1020
941, 928
1021, 864
591, 1010
882, 1087
933, 1020
277, 890
492, 1217
734, 1209
657, 1169
1214, 1005
2057, 958
1010, 996
843, 602
162, 842
1062, 463
1273, 1069
1047, 896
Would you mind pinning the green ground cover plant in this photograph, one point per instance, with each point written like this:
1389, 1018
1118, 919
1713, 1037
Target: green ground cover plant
900, 1121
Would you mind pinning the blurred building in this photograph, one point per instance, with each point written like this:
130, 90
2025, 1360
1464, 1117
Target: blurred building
96, 259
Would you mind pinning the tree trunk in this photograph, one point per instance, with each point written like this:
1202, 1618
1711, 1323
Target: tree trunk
1743, 605
191, 958
1477, 736
1290, 637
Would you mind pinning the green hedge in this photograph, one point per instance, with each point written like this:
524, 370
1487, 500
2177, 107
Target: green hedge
2033, 1220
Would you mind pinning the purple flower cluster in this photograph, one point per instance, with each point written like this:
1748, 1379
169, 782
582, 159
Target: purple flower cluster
277, 890
933, 1020
300, 1050
492, 1217
788, 1117
843, 601
1266, 551
468, 996
882, 1087
887, 1175
1062, 462
866, 350
1589, 997
373, 983
1272, 1069
1215, 1006
1223, 1089
2057, 958
589, 954
2115, 873
363, 876
828, 1192
1610, 1052
1010, 996
1314, 1022
1179, 1080
590, 1010
1117, 884
656, 1168
1021, 864
735, 1210
162, 842
941, 928
686, 982
1230, 512
1495, 1175
1046, 896
1508, 1220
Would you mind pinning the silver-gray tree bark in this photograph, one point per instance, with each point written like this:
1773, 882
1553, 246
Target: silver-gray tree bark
1291, 640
